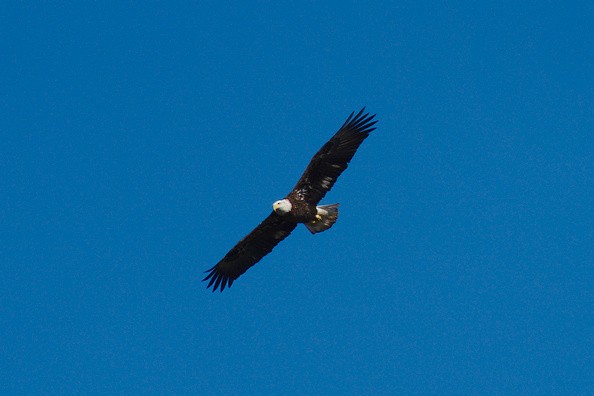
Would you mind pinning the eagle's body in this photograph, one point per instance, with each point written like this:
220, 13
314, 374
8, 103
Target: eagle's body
301, 211
300, 205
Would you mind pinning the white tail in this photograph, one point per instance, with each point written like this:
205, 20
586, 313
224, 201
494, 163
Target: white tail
327, 216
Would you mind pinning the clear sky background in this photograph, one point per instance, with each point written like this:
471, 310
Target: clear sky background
141, 142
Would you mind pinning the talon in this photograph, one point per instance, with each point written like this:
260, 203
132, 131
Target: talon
318, 217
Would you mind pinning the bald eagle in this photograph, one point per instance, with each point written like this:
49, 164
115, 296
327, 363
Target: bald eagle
300, 206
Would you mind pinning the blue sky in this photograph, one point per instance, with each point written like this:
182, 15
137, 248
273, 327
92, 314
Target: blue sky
141, 142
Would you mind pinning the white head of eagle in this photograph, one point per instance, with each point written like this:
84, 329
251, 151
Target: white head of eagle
282, 206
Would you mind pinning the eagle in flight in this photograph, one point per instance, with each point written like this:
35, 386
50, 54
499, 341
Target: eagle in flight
300, 206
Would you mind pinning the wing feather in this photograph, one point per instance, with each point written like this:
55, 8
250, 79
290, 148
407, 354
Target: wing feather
249, 251
333, 158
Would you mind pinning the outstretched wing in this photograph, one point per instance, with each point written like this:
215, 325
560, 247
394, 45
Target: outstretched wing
333, 158
249, 251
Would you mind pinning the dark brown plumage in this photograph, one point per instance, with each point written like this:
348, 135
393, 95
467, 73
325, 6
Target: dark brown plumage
250, 250
319, 177
333, 158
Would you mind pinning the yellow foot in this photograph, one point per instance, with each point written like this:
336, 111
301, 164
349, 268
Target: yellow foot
318, 217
